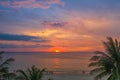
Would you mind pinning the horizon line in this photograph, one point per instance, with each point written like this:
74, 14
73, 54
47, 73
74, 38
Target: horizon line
48, 52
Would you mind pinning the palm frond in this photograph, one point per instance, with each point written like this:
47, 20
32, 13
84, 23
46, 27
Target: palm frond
2, 52
32, 73
108, 62
102, 74
94, 64
110, 77
6, 62
4, 69
102, 54
97, 70
111, 48
95, 58
24, 75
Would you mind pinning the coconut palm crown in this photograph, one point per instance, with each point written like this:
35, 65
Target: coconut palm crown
4, 65
107, 63
32, 73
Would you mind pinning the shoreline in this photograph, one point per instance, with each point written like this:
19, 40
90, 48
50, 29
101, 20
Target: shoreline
67, 72
68, 77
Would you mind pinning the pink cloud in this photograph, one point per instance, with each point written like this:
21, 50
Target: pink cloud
5, 3
31, 3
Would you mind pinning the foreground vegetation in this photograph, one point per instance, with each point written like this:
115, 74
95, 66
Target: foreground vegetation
4, 67
107, 63
32, 73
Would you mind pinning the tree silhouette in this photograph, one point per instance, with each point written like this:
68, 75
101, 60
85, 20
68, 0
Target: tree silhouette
32, 73
4, 66
107, 63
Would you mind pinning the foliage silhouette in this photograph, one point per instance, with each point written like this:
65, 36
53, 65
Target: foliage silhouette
107, 63
4, 66
32, 73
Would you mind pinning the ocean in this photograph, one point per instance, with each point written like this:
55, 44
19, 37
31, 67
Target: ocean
67, 61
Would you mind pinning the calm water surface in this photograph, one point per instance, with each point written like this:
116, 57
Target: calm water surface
51, 61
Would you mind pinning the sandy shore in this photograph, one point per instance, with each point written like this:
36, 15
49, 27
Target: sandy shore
69, 77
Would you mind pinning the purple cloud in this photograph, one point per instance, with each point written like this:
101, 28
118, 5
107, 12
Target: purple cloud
30, 3
54, 24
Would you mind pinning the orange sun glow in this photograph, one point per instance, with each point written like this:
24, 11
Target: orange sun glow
57, 50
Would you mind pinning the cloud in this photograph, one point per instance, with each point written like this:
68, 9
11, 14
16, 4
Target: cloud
13, 37
24, 46
54, 24
30, 3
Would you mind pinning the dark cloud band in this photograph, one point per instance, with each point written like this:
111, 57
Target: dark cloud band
13, 37
24, 46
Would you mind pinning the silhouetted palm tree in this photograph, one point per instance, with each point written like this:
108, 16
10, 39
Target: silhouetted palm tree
32, 73
4, 66
107, 63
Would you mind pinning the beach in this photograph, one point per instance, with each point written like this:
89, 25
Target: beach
68, 77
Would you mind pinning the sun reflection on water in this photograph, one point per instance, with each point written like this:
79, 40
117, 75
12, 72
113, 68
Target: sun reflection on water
56, 62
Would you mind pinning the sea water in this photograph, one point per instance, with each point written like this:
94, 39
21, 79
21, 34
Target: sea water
66, 61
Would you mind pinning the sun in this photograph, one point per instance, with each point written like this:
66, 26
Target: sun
57, 50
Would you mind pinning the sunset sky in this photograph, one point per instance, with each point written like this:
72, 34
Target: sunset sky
63, 25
